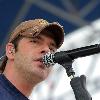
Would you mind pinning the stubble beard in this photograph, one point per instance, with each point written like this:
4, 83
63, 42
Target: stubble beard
25, 69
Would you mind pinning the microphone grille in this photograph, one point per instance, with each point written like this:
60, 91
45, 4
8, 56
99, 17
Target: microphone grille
48, 59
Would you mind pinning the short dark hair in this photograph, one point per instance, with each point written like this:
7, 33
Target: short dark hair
16, 41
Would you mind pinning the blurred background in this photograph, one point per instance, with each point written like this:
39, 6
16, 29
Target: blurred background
81, 21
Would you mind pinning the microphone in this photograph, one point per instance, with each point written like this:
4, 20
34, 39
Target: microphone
67, 56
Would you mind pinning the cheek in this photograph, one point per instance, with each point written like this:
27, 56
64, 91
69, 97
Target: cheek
25, 54
25, 51
28, 51
21, 59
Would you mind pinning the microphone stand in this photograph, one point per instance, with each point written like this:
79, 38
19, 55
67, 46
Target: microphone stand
69, 70
78, 84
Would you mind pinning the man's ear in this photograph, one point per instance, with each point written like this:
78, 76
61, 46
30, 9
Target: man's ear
10, 51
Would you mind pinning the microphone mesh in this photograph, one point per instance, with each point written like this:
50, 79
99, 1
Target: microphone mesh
48, 59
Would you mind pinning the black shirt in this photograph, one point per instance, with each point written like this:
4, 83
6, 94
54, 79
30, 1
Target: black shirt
8, 91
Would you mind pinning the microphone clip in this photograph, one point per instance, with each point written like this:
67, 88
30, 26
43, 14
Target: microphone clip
69, 70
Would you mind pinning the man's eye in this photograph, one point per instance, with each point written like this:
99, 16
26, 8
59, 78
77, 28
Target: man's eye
34, 41
52, 49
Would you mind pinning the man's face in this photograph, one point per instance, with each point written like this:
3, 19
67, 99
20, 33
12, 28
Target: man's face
28, 58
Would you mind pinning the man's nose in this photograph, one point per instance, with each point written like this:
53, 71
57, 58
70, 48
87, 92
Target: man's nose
45, 50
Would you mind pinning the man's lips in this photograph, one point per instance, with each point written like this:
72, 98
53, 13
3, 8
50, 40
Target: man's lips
40, 60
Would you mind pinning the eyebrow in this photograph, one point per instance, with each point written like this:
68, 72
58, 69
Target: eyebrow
40, 38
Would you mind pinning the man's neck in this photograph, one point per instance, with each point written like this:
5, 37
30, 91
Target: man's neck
20, 82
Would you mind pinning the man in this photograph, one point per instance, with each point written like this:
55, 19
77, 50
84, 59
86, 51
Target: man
22, 68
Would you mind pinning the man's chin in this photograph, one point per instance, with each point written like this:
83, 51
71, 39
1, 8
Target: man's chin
39, 75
